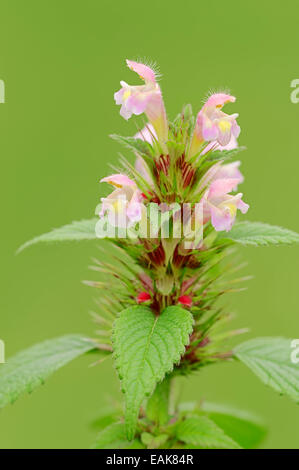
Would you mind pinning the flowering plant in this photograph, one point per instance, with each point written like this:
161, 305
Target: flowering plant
171, 221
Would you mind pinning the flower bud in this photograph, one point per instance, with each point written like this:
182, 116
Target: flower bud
143, 297
185, 300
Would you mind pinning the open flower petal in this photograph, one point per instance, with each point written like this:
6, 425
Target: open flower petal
144, 71
119, 180
124, 205
145, 98
213, 125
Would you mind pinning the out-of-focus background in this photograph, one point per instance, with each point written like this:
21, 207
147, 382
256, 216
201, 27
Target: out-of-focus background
61, 62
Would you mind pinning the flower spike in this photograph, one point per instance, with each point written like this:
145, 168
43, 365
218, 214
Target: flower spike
160, 308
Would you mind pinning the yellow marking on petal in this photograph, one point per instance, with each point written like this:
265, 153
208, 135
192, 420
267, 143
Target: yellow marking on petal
115, 184
221, 105
126, 94
224, 125
118, 205
232, 209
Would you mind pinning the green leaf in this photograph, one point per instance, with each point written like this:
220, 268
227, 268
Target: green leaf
157, 405
270, 360
146, 438
137, 145
202, 432
154, 442
114, 437
146, 348
243, 427
217, 155
28, 369
80, 230
259, 234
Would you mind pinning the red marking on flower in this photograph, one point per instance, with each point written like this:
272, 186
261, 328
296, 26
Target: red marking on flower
185, 300
143, 297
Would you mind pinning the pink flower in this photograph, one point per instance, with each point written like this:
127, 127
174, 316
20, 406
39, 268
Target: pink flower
230, 171
118, 180
144, 99
218, 205
221, 206
212, 124
185, 300
124, 205
143, 297
226, 171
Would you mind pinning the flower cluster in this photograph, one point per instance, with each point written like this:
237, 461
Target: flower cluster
179, 164
182, 176
213, 131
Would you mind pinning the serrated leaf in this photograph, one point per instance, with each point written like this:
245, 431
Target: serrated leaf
270, 360
259, 234
146, 348
202, 432
28, 369
80, 230
243, 427
114, 437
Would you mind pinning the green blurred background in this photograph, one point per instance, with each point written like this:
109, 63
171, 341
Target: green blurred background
61, 62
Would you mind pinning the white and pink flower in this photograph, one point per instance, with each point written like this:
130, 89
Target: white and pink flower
145, 98
220, 206
213, 125
124, 205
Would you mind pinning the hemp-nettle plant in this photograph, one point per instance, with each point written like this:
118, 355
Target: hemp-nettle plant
171, 224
